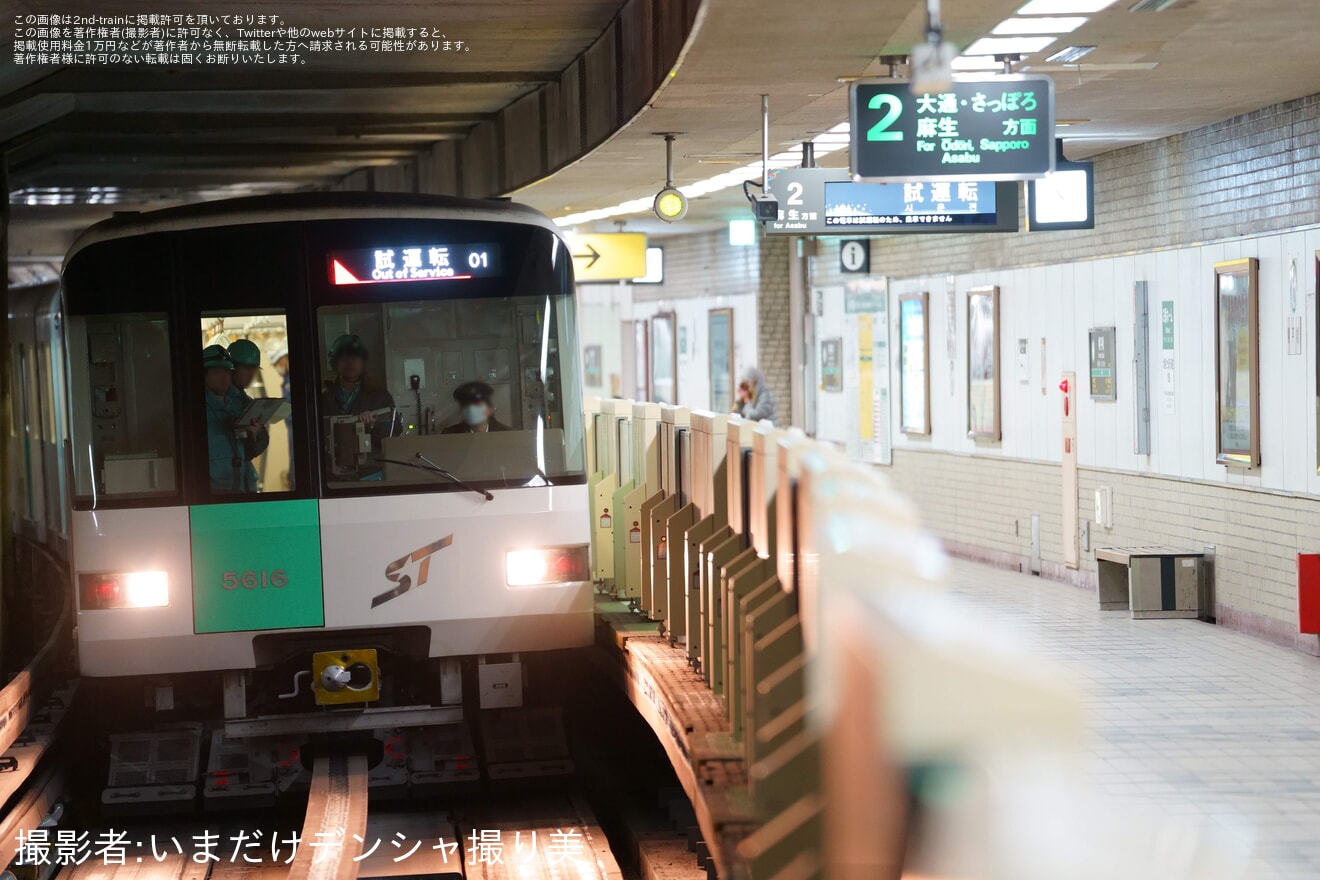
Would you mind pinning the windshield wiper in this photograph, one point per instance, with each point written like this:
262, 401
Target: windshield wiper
455, 480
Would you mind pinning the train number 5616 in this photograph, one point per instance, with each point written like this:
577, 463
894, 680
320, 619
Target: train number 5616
251, 580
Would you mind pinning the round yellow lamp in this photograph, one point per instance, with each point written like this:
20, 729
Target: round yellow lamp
670, 205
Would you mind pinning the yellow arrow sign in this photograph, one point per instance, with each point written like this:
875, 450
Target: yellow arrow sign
608, 256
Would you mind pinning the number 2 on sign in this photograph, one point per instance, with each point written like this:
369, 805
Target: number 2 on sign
880, 131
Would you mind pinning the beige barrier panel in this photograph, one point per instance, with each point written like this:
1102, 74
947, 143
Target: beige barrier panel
657, 508
762, 482
676, 477
793, 446
590, 406
611, 522
646, 450
771, 638
722, 558
709, 484
611, 416
644, 478
737, 459
674, 420
751, 585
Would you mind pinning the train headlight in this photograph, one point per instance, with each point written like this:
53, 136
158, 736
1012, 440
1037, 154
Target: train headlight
132, 589
549, 565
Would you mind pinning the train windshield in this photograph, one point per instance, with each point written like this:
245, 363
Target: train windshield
450, 394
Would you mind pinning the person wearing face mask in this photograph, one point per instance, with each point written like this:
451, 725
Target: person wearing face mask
476, 413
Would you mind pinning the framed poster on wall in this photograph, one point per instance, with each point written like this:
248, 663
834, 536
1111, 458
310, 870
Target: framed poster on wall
831, 365
720, 325
983, 364
1102, 341
914, 363
1237, 364
664, 358
591, 366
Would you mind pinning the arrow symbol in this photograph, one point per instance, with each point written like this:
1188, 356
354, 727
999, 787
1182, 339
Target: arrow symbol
593, 256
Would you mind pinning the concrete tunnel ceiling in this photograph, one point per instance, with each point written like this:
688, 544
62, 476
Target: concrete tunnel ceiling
564, 80
543, 82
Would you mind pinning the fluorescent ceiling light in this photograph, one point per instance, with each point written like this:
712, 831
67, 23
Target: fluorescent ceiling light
1065, 7
1046, 25
1008, 45
981, 63
742, 232
826, 142
1082, 65
1069, 54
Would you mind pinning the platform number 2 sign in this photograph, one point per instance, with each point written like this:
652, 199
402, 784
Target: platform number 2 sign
893, 106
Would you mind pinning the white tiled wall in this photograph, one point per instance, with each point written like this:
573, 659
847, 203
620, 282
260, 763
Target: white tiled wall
702, 272
1167, 211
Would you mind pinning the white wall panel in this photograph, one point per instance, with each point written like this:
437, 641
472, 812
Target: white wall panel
1062, 302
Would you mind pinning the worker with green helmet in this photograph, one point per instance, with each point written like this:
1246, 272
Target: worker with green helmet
230, 451
352, 392
247, 362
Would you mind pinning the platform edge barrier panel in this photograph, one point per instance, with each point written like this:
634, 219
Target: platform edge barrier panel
809, 599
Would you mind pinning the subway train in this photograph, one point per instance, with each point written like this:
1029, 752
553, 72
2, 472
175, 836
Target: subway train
389, 505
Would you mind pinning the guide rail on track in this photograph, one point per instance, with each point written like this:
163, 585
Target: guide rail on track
336, 810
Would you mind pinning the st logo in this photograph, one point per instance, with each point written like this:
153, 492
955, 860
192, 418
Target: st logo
410, 571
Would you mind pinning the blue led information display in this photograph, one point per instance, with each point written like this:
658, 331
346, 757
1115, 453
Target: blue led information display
823, 201
951, 203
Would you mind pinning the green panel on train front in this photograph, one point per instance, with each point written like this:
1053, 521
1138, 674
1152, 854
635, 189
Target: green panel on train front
256, 565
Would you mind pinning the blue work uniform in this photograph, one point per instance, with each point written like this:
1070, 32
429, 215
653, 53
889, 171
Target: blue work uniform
231, 457
284, 393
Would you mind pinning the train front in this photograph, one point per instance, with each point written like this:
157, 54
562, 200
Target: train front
327, 462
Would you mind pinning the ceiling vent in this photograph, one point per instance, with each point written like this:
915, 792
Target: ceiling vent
1152, 5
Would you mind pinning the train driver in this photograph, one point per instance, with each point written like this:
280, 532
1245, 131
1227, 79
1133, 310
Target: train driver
230, 452
477, 412
352, 392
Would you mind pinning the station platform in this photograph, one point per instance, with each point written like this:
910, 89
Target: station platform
1190, 721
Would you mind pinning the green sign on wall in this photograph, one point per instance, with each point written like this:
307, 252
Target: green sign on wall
256, 565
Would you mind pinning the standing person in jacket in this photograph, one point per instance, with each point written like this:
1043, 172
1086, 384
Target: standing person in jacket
230, 451
352, 392
756, 401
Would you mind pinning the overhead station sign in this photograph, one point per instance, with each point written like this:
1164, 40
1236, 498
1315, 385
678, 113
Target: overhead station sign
608, 256
825, 201
986, 128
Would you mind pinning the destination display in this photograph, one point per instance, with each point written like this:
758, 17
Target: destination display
825, 201
886, 204
425, 262
986, 128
